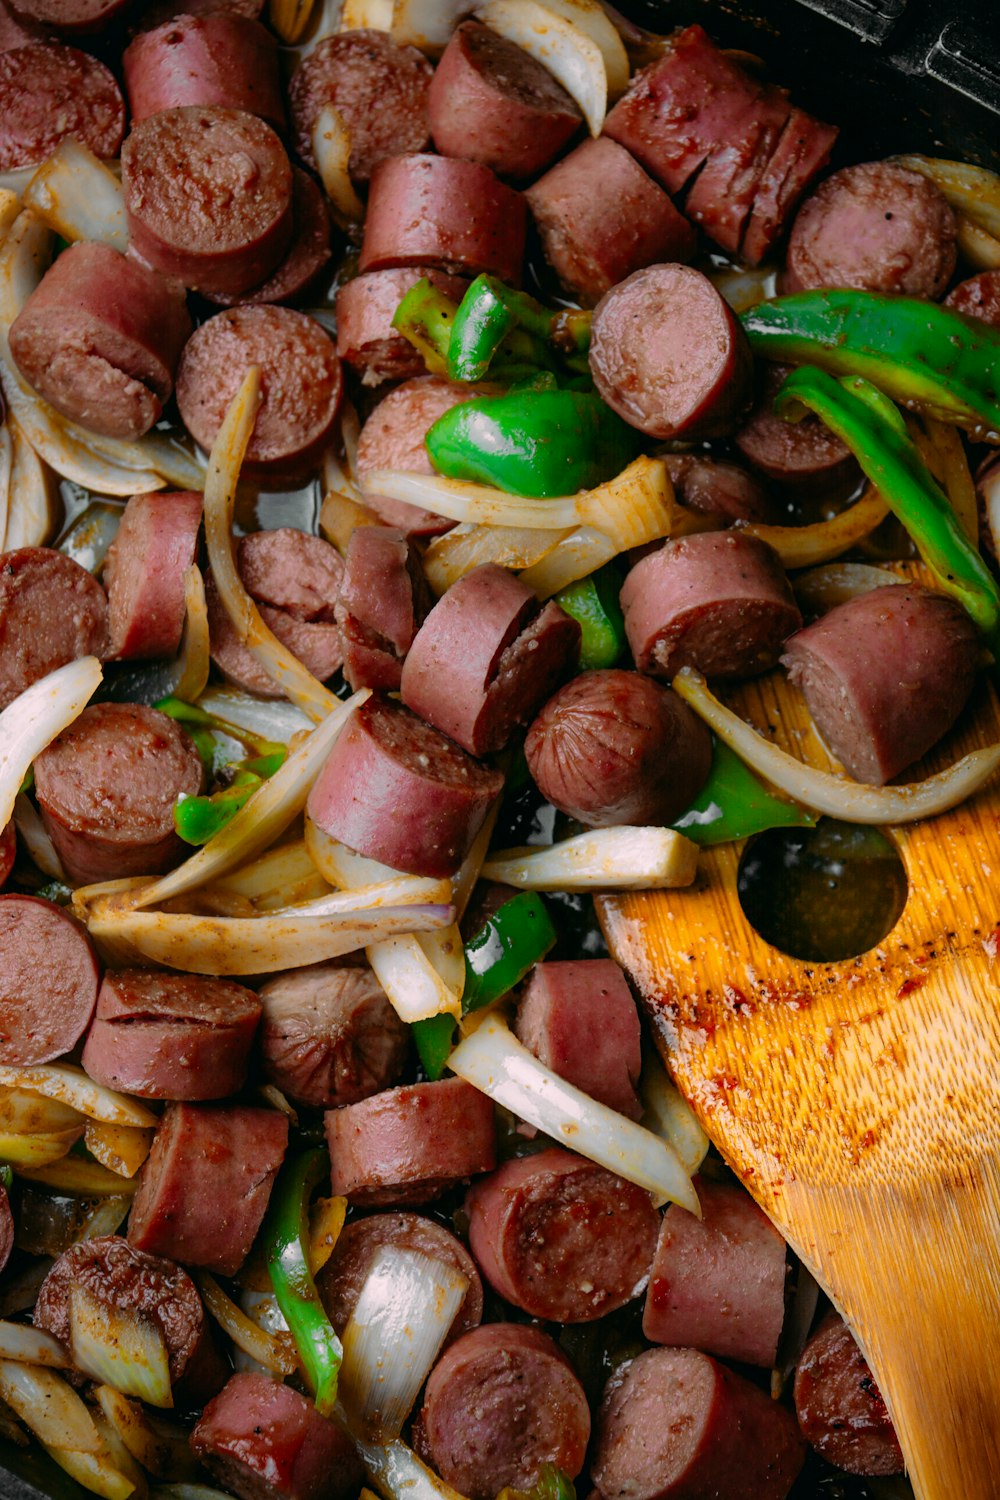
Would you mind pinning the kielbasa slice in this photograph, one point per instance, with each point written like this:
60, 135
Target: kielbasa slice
344, 1274
6, 1228
612, 747
393, 438
840, 1408
485, 659
8, 851
579, 1018
439, 211
502, 1403
408, 1145
884, 677
52, 611
979, 297
100, 337
667, 354
366, 339
397, 790
70, 15
214, 59
18, 31
329, 1035
801, 154
208, 196
144, 573
718, 1283
50, 94
879, 227
171, 1036
722, 195
264, 1441
48, 981
205, 1185
378, 87
673, 1423
717, 601
805, 457
492, 102
718, 489
308, 254
561, 1238
384, 599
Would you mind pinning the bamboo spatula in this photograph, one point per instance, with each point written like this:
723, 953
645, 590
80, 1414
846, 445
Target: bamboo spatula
860, 1101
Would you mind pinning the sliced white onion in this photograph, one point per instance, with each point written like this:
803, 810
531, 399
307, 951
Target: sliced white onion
10, 207
606, 859
955, 474
795, 1330
448, 558
247, 1335
973, 191
398, 1474
119, 1348
97, 1472
340, 474
80, 1178
980, 249
989, 488
822, 541
579, 554
268, 882
366, 15
50, 1407
120, 1148
331, 143
25, 1112
340, 516
105, 1217
195, 656
667, 1114
79, 197
31, 1346
39, 1151
326, 1221
290, 19
11, 1430
271, 718
494, 1061
34, 510
745, 288
588, 16
188, 1492
558, 44
34, 719
834, 583
397, 890
405, 1308
119, 1456
822, 791
34, 836
427, 24
160, 1449
70, 1085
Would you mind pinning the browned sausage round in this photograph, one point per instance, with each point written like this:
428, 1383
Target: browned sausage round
722, 195
579, 1018
879, 227
884, 677
204, 1187
379, 88
366, 339
50, 94
408, 1145
393, 438
717, 489
208, 196
48, 981
100, 337
308, 254
214, 59
601, 217
344, 1274
804, 457
490, 101
18, 31
502, 1403
52, 611
144, 573
107, 787
979, 297
6, 1228
613, 747
840, 1408
397, 790
171, 1036
384, 599
165, 10
667, 354
70, 15
717, 601
800, 155
329, 1035
438, 211
8, 850
560, 1237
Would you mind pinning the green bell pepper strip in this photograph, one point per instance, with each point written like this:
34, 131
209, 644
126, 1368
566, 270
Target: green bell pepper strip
194, 719
481, 324
891, 461
733, 804
197, 819
916, 352
433, 1040
286, 1246
593, 602
551, 1484
425, 317
534, 443
6, 1177
492, 315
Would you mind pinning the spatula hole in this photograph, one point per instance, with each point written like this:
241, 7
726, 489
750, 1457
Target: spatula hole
825, 893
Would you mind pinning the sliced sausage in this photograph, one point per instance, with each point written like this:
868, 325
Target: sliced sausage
8, 851
805, 457
384, 599
722, 195
6, 1228
171, 1036
301, 385
308, 254
18, 31
144, 573
150, 1288
492, 102
397, 790
485, 659
344, 1274
439, 211
329, 1035
501, 1404
205, 1185
107, 787
165, 10
600, 217
50, 94
801, 154
718, 1282
366, 339
724, 1436
393, 438
979, 297
214, 59
208, 196
579, 1018
667, 354
718, 489
612, 747
717, 601
378, 87
48, 981
840, 1408
52, 611
100, 337
879, 227
561, 1238
408, 1145
264, 1441
884, 676
70, 15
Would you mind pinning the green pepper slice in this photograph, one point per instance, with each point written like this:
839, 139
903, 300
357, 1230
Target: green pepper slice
733, 804
593, 602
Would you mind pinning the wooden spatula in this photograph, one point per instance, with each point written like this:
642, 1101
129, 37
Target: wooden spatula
860, 1101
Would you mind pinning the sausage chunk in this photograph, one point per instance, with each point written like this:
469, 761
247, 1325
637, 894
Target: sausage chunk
308, 254
839, 1406
215, 59
70, 15
48, 981
8, 852
366, 339
802, 152
579, 1018
721, 490
979, 297
144, 573
50, 94
384, 599
805, 458
393, 438
6, 1228
52, 611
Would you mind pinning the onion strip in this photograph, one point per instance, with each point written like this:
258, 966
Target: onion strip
980, 249
71, 1085
560, 45
120, 1148
79, 197
807, 546
81, 1178
34, 511
247, 1335
50, 1407
667, 1114
834, 583
195, 654
331, 143
448, 558
605, 859
973, 191
95, 1471
6, 475
35, 837
35, 717
118, 1347
398, 1474
152, 1444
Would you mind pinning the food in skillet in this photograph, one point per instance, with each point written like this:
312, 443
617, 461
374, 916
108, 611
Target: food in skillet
336, 1155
